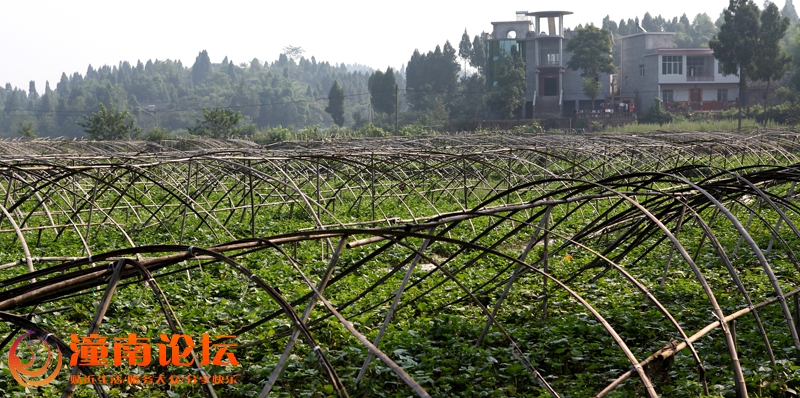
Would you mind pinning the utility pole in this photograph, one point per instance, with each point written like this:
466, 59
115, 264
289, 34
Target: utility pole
396, 106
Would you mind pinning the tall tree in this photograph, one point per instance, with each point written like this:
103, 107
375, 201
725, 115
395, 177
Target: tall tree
62, 87
736, 44
591, 53
649, 23
465, 50
32, 94
511, 81
772, 61
432, 76
335, 106
110, 124
13, 102
477, 58
201, 69
789, 11
703, 28
382, 91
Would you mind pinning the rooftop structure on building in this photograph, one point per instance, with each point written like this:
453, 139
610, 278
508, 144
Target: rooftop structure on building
649, 67
540, 37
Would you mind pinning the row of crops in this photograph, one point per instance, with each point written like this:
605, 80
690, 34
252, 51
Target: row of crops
475, 265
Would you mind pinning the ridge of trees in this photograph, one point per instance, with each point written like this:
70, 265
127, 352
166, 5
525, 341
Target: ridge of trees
292, 90
285, 92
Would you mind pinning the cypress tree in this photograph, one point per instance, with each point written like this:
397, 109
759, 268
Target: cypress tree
336, 104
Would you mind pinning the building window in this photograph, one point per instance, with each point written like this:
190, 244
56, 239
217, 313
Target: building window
641, 69
722, 95
667, 95
695, 66
551, 58
672, 64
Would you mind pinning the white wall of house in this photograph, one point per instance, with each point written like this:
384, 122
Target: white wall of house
682, 77
681, 93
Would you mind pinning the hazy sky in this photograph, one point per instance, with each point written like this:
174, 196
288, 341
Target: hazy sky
40, 39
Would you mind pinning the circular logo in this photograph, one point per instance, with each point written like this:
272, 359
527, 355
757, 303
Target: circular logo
23, 372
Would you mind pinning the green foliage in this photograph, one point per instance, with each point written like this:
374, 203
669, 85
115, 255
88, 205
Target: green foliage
372, 131
201, 70
26, 130
217, 123
784, 114
688, 33
336, 104
431, 76
465, 46
656, 114
157, 134
591, 52
257, 89
783, 94
772, 60
382, 91
533, 127
477, 58
736, 47
272, 135
472, 101
413, 129
679, 123
592, 88
788, 11
358, 120
511, 82
110, 124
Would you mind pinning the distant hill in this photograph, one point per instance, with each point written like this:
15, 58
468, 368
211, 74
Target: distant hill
284, 92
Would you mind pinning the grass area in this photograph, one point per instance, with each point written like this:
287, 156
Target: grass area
688, 125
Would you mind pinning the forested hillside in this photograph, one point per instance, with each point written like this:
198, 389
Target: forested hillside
287, 92
293, 91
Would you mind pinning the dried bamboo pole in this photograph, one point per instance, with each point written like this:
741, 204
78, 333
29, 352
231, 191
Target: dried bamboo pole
672, 349
273, 377
396, 301
517, 270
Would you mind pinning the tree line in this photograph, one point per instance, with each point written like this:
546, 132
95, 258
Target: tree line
289, 92
431, 89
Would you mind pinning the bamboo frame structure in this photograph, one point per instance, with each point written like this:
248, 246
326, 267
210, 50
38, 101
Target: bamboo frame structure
419, 216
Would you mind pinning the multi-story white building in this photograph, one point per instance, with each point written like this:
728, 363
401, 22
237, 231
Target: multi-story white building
683, 78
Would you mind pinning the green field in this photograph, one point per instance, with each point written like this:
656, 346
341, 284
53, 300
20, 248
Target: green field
493, 265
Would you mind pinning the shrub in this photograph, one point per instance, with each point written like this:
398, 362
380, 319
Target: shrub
533, 127
372, 131
272, 135
413, 129
785, 114
699, 117
656, 114
156, 134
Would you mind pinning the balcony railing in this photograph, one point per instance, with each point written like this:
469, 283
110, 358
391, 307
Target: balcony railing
700, 78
